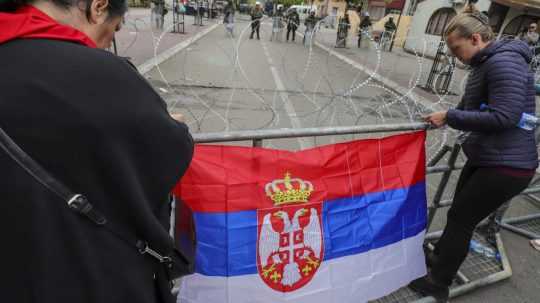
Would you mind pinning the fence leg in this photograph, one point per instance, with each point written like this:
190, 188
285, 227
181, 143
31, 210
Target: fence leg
439, 155
442, 185
520, 231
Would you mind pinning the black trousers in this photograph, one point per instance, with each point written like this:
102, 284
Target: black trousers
289, 30
479, 192
255, 27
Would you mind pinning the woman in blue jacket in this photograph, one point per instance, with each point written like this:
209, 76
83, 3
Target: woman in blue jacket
500, 147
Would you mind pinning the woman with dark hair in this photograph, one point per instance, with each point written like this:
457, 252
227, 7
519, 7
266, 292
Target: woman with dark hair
90, 120
497, 112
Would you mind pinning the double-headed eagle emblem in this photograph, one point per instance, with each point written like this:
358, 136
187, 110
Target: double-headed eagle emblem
289, 249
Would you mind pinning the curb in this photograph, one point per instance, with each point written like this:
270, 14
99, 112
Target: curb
151, 63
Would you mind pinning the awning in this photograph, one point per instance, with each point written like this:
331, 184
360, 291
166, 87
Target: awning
396, 4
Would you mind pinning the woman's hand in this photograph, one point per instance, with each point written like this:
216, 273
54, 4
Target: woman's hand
178, 117
437, 119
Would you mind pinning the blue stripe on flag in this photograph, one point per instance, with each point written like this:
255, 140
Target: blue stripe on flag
351, 226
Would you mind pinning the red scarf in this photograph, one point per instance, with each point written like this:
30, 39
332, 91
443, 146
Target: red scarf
30, 23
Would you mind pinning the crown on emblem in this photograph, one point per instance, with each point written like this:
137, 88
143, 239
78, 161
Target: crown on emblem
289, 190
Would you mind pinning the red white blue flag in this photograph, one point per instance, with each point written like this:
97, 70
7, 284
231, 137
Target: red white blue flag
338, 223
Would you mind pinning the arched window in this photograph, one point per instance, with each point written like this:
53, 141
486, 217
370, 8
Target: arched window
518, 24
439, 19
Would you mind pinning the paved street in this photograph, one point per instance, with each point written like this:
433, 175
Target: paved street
222, 83
140, 40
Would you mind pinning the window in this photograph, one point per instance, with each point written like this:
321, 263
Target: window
376, 12
438, 21
497, 13
518, 24
392, 11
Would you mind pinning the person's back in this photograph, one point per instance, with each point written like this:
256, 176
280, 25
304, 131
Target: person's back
365, 24
96, 125
104, 140
293, 19
497, 120
310, 22
256, 15
389, 25
228, 13
512, 146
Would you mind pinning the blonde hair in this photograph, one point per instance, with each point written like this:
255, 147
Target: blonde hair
470, 21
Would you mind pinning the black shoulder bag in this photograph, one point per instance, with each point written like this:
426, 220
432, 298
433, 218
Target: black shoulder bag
176, 264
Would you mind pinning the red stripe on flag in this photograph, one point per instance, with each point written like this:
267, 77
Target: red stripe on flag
232, 178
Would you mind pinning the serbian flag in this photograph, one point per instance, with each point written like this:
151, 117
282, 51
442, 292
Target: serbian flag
333, 224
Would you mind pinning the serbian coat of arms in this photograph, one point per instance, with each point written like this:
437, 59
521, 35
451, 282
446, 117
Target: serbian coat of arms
290, 238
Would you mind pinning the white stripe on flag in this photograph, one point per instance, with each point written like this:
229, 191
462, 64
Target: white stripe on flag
351, 279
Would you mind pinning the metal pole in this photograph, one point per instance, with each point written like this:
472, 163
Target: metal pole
443, 168
531, 190
305, 132
445, 203
442, 185
175, 16
448, 74
183, 23
521, 219
534, 199
439, 155
397, 28
435, 65
520, 231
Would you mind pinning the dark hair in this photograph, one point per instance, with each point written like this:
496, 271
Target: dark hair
116, 7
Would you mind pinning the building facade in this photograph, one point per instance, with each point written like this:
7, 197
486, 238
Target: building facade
377, 9
507, 18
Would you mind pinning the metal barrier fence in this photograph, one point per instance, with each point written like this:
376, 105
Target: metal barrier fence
528, 225
477, 271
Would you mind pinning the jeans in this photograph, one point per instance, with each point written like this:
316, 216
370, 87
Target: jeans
479, 192
255, 26
289, 30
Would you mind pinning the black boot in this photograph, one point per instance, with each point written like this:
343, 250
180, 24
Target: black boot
431, 258
428, 286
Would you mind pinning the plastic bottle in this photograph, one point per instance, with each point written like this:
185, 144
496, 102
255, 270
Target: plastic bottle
528, 121
479, 248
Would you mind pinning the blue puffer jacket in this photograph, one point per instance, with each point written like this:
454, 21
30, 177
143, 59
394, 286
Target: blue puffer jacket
501, 79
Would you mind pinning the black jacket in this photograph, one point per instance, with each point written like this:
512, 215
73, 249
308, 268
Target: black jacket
95, 124
502, 81
293, 20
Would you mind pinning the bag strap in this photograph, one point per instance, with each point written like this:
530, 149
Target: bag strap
76, 202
